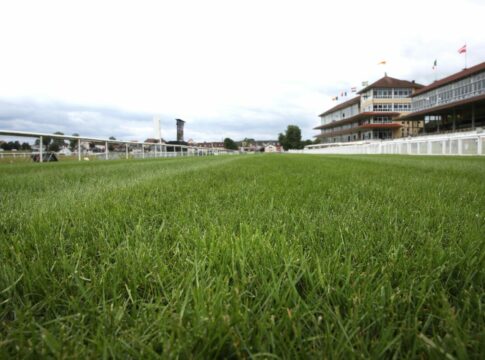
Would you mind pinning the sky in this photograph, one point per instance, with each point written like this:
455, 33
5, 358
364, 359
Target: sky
228, 68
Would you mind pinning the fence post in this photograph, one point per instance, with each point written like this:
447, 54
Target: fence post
460, 146
41, 145
127, 151
428, 143
106, 150
479, 145
142, 151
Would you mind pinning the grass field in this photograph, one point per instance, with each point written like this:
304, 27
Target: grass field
270, 256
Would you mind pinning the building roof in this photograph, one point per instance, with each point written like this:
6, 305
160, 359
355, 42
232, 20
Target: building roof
452, 78
390, 82
343, 105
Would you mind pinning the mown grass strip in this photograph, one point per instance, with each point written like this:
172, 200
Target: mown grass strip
257, 256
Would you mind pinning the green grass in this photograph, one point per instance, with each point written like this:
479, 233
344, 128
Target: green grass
274, 256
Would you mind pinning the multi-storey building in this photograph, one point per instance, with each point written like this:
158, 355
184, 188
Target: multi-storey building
373, 114
456, 102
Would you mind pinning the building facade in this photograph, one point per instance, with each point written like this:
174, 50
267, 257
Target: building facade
373, 114
454, 103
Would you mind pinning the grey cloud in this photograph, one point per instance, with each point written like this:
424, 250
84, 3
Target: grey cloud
261, 123
27, 115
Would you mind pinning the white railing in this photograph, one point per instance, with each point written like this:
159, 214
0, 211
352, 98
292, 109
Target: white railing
464, 143
125, 149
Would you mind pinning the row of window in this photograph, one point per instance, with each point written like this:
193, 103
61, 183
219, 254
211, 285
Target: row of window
368, 135
469, 87
391, 93
377, 134
372, 120
392, 107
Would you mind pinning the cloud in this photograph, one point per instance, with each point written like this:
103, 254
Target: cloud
49, 117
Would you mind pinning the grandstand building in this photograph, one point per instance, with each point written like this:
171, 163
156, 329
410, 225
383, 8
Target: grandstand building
454, 103
373, 114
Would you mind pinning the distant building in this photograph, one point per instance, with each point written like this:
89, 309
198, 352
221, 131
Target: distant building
211, 145
272, 148
266, 142
65, 151
180, 129
373, 114
456, 102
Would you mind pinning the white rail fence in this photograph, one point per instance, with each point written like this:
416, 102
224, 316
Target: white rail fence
466, 143
124, 149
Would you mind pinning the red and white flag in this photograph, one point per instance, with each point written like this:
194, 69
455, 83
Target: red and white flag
462, 49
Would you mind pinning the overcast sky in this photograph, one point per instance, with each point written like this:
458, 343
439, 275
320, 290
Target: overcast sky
236, 69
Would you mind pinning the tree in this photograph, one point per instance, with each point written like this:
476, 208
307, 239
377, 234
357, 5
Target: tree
73, 142
11, 145
291, 139
56, 143
46, 140
25, 146
111, 146
230, 144
282, 140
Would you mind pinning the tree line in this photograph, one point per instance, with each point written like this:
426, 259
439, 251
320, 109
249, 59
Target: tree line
15, 145
291, 139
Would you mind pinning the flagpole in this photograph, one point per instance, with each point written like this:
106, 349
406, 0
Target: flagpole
466, 51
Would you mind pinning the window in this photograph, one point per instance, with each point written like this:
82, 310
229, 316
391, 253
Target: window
382, 93
472, 85
382, 134
402, 107
382, 107
402, 93
381, 119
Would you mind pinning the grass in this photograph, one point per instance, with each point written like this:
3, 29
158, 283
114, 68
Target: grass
274, 256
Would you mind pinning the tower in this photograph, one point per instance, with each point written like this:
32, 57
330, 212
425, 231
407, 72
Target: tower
180, 129
157, 128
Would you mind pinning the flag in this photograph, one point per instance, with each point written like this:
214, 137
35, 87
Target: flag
342, 94
383, 62
353, 89
435, 64
365, 83
462, 49
335, 98
345, 93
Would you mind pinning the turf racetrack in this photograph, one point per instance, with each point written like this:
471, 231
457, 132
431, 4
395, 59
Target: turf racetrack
270, 256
